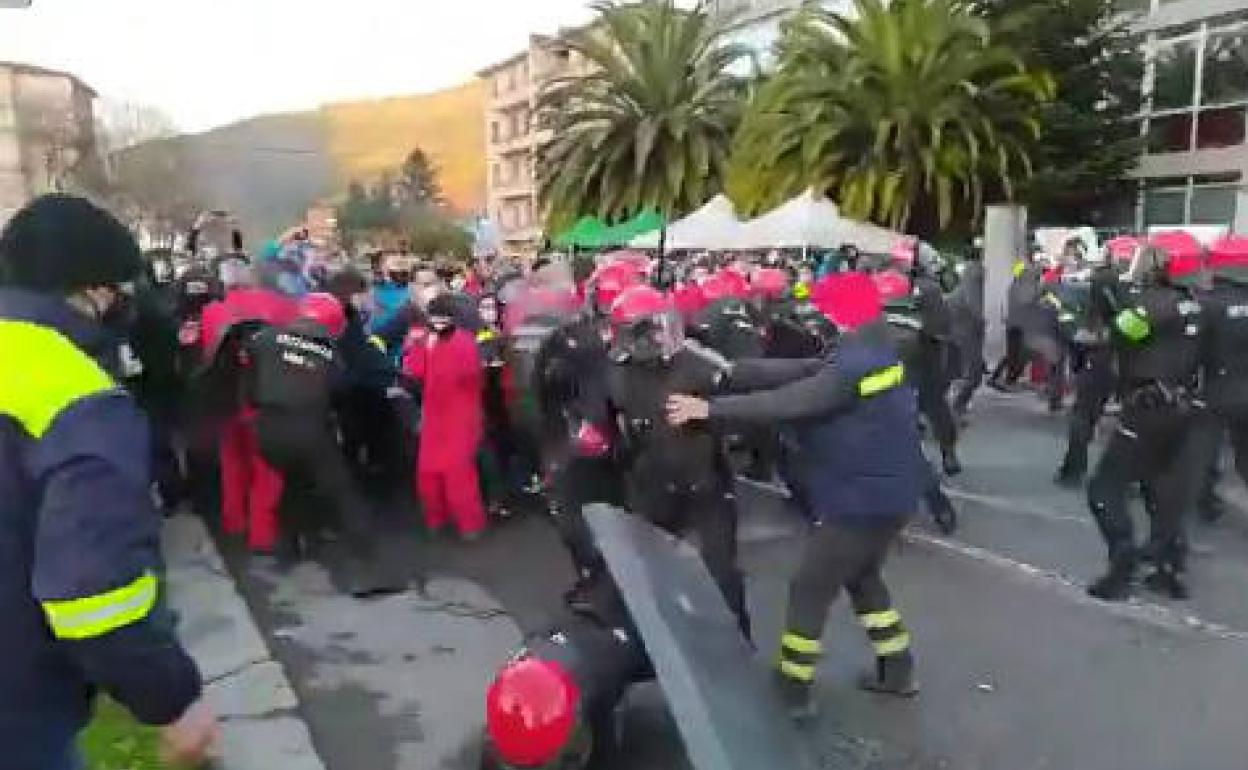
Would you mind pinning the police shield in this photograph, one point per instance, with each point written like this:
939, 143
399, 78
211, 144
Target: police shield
727, 712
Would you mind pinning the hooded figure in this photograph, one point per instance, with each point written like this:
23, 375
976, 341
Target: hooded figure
445, 360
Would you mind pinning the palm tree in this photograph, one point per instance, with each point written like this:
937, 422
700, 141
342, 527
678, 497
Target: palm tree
650, 123
899, 108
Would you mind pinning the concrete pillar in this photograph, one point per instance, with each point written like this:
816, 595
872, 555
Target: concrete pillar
1005, 240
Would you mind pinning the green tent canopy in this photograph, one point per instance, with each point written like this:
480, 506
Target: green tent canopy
593, 233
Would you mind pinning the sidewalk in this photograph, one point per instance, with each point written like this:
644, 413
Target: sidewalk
262, 728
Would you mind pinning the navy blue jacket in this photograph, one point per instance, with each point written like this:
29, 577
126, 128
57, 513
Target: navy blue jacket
856, 422
78, 541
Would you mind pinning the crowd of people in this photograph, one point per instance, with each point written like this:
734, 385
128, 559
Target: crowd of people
285, 396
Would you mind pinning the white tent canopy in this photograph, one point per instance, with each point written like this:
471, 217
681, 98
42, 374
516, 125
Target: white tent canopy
714, 226
807, 221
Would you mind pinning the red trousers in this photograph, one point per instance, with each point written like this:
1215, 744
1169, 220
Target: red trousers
250, 489
453, 493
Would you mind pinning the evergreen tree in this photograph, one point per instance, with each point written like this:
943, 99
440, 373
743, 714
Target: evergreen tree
1089, 142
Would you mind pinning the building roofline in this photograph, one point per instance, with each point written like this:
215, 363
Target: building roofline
35, 69
495, 67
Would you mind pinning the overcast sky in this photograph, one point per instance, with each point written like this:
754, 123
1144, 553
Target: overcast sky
209, 62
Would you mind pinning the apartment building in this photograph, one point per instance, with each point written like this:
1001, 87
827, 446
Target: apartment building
1195, 167
511, 142
47, 133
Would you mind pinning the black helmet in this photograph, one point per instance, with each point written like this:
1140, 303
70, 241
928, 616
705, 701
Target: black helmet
59, 243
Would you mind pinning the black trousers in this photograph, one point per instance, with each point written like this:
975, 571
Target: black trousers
302, 448
837, 557
1094, 385
1219, 424
708, 513
969, 342
932, 390
1156, 444
578, 483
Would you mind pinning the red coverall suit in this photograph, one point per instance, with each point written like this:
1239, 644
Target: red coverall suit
450, 431
250, 489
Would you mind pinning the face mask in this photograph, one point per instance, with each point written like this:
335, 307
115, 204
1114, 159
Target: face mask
443, 327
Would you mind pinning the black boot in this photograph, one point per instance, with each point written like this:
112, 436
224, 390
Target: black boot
945, 516
1115, 585
949, 461
1070, 474
894, 675
1165, 580
798, 698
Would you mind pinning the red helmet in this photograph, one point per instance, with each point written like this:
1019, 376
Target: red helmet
849, 300
893, 284
726, 284
610, 281
689, 299
1122, 248
531, 712
1228, 257
770, 282
639, 302
326, 310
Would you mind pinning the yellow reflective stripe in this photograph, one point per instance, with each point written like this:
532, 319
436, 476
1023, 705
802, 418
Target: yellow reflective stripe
485, 335
97, 615
42, 374
801, 644
899, 643
801, 291
1018, 268
884, 379
801, 673
377, 342
883, 619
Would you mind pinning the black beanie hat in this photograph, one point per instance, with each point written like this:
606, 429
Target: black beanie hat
443, 305
59, 243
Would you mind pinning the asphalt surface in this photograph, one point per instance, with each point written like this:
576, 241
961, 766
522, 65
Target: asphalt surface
1019, 668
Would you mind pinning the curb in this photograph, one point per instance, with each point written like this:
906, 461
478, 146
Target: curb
261, 727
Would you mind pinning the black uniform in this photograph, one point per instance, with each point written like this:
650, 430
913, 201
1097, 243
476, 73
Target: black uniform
921, 326
1032, 329
967, 329
567, 371
294, 370
1157, 335
1094, 369
1226, 377
921, 355
677, 477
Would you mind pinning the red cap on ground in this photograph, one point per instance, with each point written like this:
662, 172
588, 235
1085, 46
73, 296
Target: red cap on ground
326, 310
849, 300
530, 712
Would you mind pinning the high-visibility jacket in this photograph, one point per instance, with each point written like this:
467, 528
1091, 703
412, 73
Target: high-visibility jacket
78, 541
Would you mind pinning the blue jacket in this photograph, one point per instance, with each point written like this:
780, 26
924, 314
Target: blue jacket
78, 541
388, 297
856, 422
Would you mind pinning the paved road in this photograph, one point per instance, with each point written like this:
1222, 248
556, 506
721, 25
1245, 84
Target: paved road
1020, 670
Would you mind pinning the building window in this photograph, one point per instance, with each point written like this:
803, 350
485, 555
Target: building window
1213, 205
1225, 76
495, 130
1174, 79
1164, 207
1208, 199
1170, 133
1220, 128
496, 173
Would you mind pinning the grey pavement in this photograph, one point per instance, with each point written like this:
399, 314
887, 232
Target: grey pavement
1020, 668
261, 725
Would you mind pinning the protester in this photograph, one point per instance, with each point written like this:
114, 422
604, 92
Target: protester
444, 360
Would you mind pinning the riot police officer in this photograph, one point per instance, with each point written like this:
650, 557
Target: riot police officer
1157, 335
554, 703
293, 373
967, 329
1226, 374
1094, 369
676, 477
